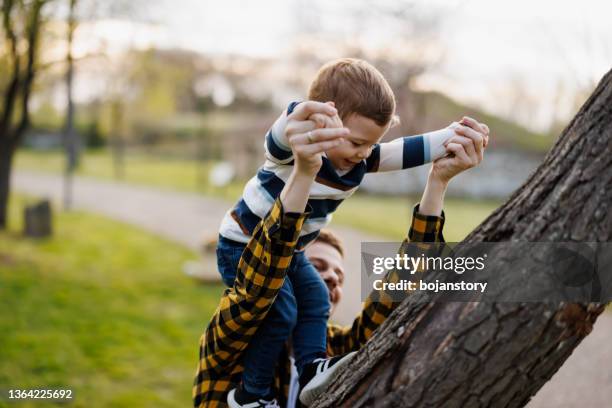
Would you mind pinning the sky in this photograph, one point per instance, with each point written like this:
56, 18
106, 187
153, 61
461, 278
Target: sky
491, 48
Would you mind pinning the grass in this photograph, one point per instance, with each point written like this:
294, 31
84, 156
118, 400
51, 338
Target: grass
380, 215
390, 216
101, 308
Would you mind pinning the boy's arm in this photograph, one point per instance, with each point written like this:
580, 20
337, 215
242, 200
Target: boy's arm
277, 147
409, 151
413, 151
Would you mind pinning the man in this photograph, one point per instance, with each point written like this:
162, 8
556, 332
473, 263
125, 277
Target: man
265, 260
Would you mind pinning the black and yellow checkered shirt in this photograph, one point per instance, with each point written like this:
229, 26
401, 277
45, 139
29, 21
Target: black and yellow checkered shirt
261, 272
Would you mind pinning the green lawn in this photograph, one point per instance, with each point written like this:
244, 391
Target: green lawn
381, 215
390, 216
101, 308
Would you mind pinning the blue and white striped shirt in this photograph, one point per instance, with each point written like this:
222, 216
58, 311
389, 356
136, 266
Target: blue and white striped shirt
329, 188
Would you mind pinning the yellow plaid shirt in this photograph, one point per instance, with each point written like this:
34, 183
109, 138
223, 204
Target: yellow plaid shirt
261, 272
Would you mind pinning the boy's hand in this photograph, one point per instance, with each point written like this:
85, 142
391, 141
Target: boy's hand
307, 141
326, 121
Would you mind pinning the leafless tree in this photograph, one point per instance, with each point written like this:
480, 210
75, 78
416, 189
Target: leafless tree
21, 27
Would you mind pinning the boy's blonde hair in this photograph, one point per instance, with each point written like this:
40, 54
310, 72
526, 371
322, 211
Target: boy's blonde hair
356, 87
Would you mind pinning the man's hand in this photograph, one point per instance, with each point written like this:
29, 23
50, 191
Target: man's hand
466, 149
326, 121
307, 139
308, 144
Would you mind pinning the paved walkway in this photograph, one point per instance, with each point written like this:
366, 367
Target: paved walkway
584, 381
181, 217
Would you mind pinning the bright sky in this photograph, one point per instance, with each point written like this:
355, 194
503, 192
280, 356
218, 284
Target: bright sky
491, 46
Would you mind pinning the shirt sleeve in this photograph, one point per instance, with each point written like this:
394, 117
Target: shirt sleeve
261, 273
276, 145
377, 307
409, 151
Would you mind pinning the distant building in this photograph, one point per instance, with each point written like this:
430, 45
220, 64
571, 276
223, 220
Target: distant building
499, 174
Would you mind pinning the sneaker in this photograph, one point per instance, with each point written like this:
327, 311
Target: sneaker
240, 398
317, 375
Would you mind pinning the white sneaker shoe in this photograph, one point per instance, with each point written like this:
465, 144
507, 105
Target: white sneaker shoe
317, 375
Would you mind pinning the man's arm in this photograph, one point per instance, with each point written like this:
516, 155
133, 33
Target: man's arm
242, 308
377, 307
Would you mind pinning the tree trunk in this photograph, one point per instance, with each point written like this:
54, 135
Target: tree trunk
13, 126
117, 142
71, 144
6, 159
498, 354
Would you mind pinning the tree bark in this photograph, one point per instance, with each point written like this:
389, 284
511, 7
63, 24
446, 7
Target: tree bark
498, 354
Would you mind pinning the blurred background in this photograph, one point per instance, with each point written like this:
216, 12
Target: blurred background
139, 122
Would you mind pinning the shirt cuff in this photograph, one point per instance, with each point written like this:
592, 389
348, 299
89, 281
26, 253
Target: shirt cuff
426, 228
285, 227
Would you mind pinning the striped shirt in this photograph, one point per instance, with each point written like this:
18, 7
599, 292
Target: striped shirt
330, 187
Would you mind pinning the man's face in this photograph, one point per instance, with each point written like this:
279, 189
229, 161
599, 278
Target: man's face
328, 261
365, 133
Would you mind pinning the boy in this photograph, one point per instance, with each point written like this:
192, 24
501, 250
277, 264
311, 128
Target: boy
365, 104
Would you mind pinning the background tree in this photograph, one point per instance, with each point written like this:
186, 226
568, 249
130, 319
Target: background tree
88, 10
456, 354
21, 26
71, 140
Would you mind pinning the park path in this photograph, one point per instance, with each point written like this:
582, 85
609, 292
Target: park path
584, 381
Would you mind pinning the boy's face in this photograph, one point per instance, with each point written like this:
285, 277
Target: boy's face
365, 133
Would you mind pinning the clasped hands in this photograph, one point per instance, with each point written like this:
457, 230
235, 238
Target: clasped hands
315, 127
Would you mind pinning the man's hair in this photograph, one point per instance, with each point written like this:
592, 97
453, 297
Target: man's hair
327, 237
356, 87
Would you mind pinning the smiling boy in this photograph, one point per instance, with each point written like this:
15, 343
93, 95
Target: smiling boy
364, 104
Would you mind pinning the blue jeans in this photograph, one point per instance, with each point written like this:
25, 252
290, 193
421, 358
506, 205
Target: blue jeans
300, 311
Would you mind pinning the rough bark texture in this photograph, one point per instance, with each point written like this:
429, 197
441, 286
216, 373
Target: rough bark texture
484, 354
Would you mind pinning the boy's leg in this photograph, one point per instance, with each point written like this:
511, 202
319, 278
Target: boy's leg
261, 355
228, 256
309, 337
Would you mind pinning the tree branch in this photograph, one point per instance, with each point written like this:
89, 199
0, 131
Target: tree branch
33, 32
10, 95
